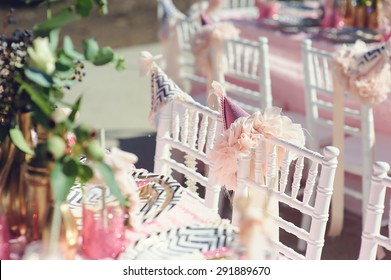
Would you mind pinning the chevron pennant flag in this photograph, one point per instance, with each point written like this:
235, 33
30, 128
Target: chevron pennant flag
372, 61
184, 241
364, 71
164, 90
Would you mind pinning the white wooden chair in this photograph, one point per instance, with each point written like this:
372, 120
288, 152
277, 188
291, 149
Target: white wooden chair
186, 28
228, 7
246, 75
371, 237
189, 129
276, 185
246, 7
360, 146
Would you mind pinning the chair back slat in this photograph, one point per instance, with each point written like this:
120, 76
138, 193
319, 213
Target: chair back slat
202, 134
185, 126
284, 172
311, 180
298, 174
271, 167
238, 4
212, 134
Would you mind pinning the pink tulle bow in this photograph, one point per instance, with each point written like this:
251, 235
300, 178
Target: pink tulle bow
212, 35
243, 134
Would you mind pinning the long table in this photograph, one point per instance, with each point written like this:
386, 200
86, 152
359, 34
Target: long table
287, 70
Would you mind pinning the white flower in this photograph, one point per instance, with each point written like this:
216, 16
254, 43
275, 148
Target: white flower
40, 56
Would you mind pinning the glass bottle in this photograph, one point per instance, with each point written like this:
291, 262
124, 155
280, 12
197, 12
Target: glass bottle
4, 237
103, 224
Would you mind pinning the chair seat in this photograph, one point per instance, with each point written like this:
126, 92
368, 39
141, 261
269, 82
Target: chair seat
353, 158
324, 133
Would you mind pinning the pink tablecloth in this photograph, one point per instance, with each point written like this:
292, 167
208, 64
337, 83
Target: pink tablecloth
287, 71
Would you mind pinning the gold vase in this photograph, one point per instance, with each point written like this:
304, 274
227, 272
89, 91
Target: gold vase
13, 187
39, 199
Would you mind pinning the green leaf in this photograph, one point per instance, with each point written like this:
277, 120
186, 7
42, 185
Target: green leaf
104, 56
39, 100
54, 37
108, 176
69, 49
91, 49
17, 138
64, 63
83, 7
120, 63
38, 77
61, 83
65, 17
75, 109
61, 183
70, 167
85, 172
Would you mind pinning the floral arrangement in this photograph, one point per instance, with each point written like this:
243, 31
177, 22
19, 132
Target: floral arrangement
36, 72
243, 134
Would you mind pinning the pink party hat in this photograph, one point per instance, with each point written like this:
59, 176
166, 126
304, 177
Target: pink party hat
230, 111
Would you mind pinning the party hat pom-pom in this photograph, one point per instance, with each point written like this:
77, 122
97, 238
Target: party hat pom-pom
147, 61
218, 89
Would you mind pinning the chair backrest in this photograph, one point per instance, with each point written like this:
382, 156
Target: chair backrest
185, 29
318, 82
186, 133
246, 75
240, 6
282, 181
371, 236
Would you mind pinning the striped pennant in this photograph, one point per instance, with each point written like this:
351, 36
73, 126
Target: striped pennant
164, 90
371, 62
